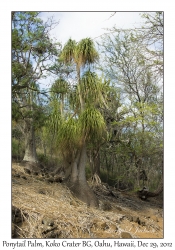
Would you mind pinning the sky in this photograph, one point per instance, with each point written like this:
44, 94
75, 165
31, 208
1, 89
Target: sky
79, 25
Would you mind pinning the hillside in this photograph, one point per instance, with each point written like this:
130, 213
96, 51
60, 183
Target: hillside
46, 209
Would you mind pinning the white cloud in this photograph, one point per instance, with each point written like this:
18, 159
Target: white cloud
78, 25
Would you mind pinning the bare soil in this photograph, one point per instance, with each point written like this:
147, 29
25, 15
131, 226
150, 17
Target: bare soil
44, 209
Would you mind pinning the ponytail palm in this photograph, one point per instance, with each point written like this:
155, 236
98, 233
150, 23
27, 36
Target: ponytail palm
90, 87
80, 53
94, 89
85, 123
69, 134
92, 123
60, 86
59, 91
86, 52
69, 51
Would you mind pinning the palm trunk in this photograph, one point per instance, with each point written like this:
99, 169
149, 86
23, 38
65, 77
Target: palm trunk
78, 183
82, 104
82, 164
96, 159
30, 147
74, 170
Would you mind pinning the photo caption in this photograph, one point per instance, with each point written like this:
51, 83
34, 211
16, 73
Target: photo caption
84, 244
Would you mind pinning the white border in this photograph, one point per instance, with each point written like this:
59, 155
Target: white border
5, 95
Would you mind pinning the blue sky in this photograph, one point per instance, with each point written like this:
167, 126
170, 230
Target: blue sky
78, 25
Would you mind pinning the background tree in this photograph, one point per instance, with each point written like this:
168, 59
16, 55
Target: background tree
150, 35
33, 57
129, 64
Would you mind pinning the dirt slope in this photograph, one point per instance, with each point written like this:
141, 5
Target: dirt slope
42, 209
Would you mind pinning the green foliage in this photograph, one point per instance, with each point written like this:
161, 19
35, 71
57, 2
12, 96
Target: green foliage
86, 123
60, 86
133, 65
16, 113
17, 149
90, 87
54, 120
88, 172
14, 147
32, 49
92, 123
69, 134
68, 52
43, 159
79, 53
85, 52
16, 39
18, 70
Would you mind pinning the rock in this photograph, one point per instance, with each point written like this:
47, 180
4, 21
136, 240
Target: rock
58, 178
44, 170
52, 235
16, 215
46, 229
104, 226
122, 218
32, 166
136, 219
126, 235
35, 172
27, 171
15, 182
106, 206
17, 175
50, 179
96, 223
48, 221
73, 203
42, 192
103, 235
142, 223
24, 177
40, 178
154, 218
118, 208
13, 230
113, 227
129, 217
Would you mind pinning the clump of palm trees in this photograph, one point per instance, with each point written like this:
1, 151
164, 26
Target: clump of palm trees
85, 124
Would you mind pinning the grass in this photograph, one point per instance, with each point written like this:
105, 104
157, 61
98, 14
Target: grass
71, 216
38, 199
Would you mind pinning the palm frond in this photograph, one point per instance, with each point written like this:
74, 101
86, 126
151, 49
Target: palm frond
90, 87
92, 123
69, 134
68, 53
60, 86
86, 52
